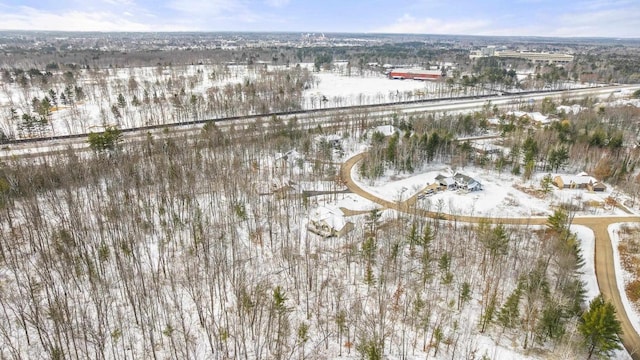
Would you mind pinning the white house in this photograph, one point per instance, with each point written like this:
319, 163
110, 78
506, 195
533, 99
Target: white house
328, 221
467, 183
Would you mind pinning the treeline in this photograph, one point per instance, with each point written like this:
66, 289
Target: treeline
392, 53
609, 64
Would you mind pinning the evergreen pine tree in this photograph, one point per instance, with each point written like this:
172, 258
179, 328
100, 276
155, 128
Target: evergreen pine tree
510, 312
600, 328
122, 102
551, 325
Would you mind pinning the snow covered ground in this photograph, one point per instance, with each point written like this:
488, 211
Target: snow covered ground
500, 199
622, 276
341, 90
492, 201
502, 194
485, 203
100, 89
274, 265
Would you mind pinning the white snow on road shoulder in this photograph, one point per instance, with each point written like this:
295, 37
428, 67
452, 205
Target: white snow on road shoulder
621, 274
587, 247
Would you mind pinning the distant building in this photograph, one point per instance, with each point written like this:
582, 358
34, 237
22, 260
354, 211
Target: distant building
415, 74
598, 186
334, 140
446, 182
536, 57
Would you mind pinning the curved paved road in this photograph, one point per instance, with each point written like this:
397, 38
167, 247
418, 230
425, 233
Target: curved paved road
604, 263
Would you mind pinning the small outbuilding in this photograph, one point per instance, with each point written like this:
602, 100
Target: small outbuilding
446, 182
598, 186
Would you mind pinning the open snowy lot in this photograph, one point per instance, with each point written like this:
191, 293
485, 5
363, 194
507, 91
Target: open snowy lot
341, 90
502, 194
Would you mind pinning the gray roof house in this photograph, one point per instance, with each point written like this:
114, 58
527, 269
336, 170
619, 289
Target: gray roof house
459, 181
447, 182
467, 183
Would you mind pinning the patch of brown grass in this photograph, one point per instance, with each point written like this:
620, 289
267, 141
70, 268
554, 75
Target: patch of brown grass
633, 290
593, 204
629, 249
537, 193
392, 224
627, 229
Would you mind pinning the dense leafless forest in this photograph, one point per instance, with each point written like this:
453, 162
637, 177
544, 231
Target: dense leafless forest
168, 249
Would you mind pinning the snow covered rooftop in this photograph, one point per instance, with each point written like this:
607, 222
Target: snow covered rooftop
493, 121
291, 156
386, 130
330, 215
579, 179
535, 116
573, 109
333, 137
539, 118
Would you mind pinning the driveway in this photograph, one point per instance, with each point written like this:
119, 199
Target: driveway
604, 262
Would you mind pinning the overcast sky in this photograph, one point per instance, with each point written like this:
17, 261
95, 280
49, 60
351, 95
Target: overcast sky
604, 18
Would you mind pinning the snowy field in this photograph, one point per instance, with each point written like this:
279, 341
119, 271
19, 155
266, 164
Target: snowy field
262, 241
489, 346
160, 95
343, 90
496, 347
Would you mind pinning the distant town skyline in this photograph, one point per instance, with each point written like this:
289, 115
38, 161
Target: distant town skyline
569, 18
